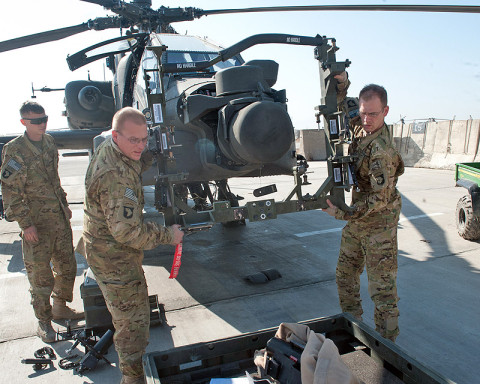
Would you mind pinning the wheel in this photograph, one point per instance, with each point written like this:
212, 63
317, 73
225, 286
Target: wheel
468, 225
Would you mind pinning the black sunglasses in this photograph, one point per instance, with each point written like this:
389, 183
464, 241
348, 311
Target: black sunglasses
38, 120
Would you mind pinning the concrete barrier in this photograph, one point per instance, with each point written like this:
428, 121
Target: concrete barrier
438, 144
311, 143
424, 144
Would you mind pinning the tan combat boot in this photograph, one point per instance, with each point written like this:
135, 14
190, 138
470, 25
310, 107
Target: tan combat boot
60, 311
46, 332
132, 380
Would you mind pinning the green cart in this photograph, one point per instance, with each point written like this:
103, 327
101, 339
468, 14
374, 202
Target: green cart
467, 175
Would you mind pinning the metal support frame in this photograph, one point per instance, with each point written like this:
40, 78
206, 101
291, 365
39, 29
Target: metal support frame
339, 179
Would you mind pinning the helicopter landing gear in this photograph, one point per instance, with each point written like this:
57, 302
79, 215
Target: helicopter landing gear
201, 196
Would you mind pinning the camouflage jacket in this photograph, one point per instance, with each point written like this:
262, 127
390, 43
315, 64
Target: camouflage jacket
30, 183
114, 202
377, 168
349, 105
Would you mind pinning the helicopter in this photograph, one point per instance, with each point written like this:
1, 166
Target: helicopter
211, 115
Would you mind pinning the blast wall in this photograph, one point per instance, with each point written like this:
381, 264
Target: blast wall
432, 144
311, 143
438, 144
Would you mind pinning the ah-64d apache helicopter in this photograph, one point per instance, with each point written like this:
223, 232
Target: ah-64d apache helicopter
211, 115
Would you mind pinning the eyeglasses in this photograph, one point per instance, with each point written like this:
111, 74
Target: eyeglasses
38, 120
135, 140
370, 114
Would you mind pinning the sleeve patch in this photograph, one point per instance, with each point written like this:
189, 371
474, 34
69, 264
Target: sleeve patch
351, 103
14, 165
10, 168
127, 212
130, 194
376, 166
380, 180
6, 174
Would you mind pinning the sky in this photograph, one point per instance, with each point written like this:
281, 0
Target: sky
428, 62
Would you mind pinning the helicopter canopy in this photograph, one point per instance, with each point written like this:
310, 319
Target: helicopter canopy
189, 49
180, 49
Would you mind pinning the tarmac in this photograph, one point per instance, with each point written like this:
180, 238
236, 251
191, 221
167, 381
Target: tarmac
438, 280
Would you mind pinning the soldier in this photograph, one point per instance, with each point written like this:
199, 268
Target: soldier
115, 235
370, 235
34, 198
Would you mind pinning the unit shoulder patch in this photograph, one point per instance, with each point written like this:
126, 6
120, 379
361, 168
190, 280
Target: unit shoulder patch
11, 167
127, 212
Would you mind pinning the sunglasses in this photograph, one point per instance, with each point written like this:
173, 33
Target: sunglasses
38, 120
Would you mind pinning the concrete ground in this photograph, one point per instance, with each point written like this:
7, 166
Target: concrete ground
438, 280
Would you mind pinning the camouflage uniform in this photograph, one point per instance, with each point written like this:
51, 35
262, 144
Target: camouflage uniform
370, 236
115, 237
33, 196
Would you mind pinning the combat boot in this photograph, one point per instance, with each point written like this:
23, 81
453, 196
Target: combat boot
132, 380
60, 311
46, 332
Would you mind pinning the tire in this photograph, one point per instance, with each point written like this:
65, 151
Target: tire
468, 225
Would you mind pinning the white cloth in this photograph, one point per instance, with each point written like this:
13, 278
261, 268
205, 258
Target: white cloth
320, 362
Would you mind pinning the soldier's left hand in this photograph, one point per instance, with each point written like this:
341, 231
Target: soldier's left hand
331, 210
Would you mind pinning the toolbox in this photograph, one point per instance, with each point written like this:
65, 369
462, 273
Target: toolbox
369, 356
96, 311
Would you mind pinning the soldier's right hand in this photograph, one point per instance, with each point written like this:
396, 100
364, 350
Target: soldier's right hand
331, 210
177, 234
30, 234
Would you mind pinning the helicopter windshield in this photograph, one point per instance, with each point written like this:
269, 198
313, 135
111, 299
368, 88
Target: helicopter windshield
189, 49
180, 49
173, 57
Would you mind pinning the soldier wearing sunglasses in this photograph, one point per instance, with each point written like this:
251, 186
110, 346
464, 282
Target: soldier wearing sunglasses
34, 198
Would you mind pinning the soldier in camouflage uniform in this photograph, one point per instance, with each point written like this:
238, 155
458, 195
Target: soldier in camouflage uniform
370, 235
115, 235
34, 198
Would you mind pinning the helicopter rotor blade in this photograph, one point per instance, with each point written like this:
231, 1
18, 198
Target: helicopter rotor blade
103, 3
134, 12
394, 8
42, 37
97, 24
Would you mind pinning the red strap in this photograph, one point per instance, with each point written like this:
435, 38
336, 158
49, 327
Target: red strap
177, 261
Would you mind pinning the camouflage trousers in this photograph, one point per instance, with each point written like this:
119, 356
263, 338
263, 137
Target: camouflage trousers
55, 246
123, 285
373, 246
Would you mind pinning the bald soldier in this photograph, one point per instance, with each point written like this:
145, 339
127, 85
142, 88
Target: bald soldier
115, 236
34, 198
370, 235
